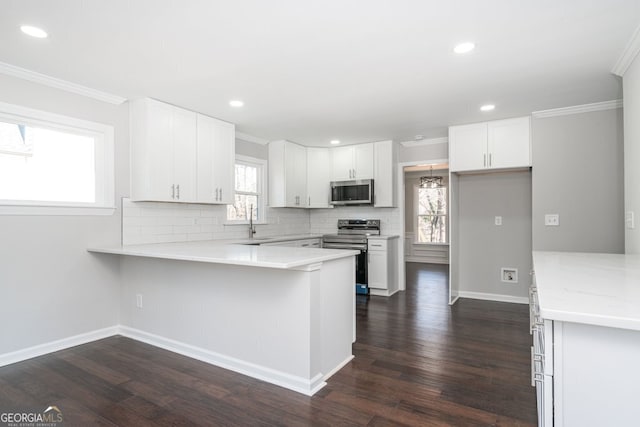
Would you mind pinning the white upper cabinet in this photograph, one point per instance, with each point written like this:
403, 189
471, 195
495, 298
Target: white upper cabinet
499, 144
163, 152
352, 162
178, 155
216, 159
384, 180
318, 177
287, 175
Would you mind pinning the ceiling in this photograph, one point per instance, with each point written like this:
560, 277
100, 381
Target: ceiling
313, 71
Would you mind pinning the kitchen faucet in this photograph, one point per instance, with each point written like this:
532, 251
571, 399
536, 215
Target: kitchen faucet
252, 229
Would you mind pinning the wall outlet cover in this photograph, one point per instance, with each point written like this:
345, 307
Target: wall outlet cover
509, 274
498, 220
552, 220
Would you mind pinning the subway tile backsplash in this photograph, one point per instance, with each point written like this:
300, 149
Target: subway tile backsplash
154, 222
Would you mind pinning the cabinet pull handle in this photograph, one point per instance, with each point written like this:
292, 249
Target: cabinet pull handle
178, 191
220, 194
309, 201
490, 160
173, 191
484, 162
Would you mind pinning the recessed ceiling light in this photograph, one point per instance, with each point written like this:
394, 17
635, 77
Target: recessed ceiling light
465, 47
335, 142
488, 107
236, 103
34, 31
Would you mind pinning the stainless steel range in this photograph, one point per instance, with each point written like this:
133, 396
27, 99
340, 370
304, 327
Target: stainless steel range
353, 234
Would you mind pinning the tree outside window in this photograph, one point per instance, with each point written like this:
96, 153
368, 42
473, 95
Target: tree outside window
431, 215
248, 192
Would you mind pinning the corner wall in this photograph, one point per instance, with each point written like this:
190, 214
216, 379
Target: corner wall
51, 287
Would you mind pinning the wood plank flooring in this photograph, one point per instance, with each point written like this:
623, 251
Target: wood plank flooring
418, 362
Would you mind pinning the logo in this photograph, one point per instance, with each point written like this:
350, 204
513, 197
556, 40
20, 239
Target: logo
50, 417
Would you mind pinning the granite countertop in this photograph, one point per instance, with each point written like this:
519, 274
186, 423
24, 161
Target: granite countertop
589, 288
232, 253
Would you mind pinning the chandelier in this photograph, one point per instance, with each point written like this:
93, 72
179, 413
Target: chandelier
431, 181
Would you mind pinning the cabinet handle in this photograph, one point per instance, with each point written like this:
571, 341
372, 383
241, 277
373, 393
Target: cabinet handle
178, 191
220, 194
173, 191
309, 204
216, 197
484, 162
490, 160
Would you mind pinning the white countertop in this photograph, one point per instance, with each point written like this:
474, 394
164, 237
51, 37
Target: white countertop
595, 289
218, 252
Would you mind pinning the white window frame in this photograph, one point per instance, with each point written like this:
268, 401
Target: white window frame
262, 189
104, 163
416, 208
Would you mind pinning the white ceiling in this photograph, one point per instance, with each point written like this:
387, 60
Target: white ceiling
311, 71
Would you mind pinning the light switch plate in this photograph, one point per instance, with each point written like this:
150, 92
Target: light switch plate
498, 220
629, 219
552, 220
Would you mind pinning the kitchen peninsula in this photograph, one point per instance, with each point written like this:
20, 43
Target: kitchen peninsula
281, 314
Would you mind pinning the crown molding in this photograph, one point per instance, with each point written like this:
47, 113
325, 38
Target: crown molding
250, 138
43, 79
430, 141
578, 109
629, 53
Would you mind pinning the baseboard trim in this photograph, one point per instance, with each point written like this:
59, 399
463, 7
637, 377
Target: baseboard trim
299, 384
53, 346
426, 260
337, 368
493, 297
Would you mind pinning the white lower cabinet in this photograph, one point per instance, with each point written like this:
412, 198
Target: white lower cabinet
584, 375
381, 266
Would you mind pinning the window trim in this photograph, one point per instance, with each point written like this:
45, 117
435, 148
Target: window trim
416, 207
262, 184
104, 163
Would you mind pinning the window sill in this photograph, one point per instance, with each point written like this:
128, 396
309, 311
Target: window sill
56, 210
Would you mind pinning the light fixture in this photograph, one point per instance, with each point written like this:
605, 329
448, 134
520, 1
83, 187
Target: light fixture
488, 107
465, 47
32, 31
236, 103
431, 181
335, 142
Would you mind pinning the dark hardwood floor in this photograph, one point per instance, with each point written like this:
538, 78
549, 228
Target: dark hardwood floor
418, 362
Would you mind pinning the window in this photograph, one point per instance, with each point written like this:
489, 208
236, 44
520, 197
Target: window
431, 214
52, 164
249, 194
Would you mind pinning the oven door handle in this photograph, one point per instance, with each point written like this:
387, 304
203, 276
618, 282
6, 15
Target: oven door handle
345, 246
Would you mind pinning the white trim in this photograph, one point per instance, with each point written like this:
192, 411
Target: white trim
302, 385
55, 210
337, 368
250, 138
493, 297
629, 53
53, 346
578, 109
43, 79
430, 141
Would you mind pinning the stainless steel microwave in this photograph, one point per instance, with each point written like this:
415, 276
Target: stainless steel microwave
356, 192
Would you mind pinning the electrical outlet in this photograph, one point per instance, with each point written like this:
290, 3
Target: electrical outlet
509, 275
629, 219
552, 220
498, 220
139, 300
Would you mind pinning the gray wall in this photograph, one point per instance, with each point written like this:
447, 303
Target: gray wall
422, 152
252, 149
631, 86
51, 287
485, 248
578, 174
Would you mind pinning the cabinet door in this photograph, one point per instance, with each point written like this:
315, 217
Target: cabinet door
377, 269
509, 143
151, 151
184, 135
318, 177
384, 179
206, 191
342, 163
363, 161
224, 160
468, 147
296, 175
